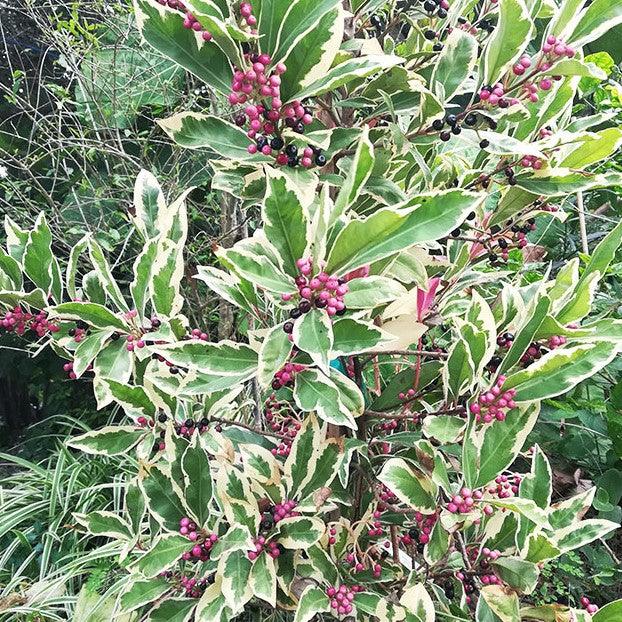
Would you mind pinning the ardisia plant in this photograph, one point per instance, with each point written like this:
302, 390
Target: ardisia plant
359, 450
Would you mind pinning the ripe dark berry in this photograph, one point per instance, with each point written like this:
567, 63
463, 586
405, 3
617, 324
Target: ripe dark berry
512, 181
115, 336
456, 129
455, 233
503, 243
320, 159
492, 124
71, 332
375, 21
429, 35
470, 120
437, 47
462, 20
429, 6
155, 322
413, 533
240, 120
319, 303
492, 257
261, 141
277, 143
295, 313
162, 418
495, 229
509, 172
276, 385
471, 216
452, 119
189, 423
442, 13
438, 124
205, 422
292, 162
445, 136
299, 128
174, 370
484, 143
288, 327
82, 325
341, 311
304, 306
503, 103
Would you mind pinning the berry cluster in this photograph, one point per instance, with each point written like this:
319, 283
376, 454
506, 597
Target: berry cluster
193, 587
436, 7
271, 548
284, 510
588, 606
281, 420
468, 584
421, 532
285, 376
494, 404
533, 162
324, 291
19, 321
246, 16
197, 333
203, 543
68, 367
463, 502
190, 21
495, 96
554, 48
376, 529
332, 536
342, 597
503, 488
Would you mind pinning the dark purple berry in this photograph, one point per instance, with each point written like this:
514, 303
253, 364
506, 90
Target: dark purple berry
162, 418
484, 143
438, 124
304, 306
470, 120
288, 327
320, 159
295, 313
445, 136
429, 35
277, 143
291, 150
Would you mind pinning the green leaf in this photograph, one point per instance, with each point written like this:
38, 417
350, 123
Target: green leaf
491, 449
163, 29
38, 256
299, 532
313, 334
372, 291
163, 499
100, 523
301, 17
497, 604
285, 223
525, 335
389, 230
104, 274
540, 548
89, 312
354, 336
173, 610
198, 131
108, 441
409, 485
454, 64
114, 362
517, 573
225, 358
303, 456
235, 572
237, 538
263, 579
143, 272
12, 269
149, 204
353, 69
195, 465
166, 552
359, 171
594, 148
313, 55
611, 612
258, 269
444, 428
312, 602
578, 535
315, 392
459, 368
141, 593
88, 349
274, 353
512, 34
599, 17
560, 370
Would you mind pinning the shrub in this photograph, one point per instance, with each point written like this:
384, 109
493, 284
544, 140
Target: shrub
358, 451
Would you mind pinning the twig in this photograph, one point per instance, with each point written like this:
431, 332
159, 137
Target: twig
246, 426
